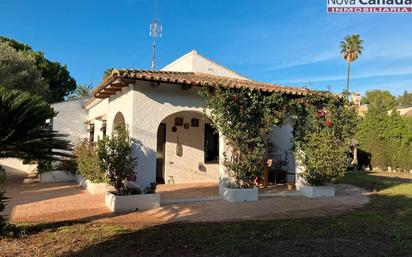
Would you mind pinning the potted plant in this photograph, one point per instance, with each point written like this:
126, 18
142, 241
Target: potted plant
116, 159
322, 137
89, 173
324, 164
55, 171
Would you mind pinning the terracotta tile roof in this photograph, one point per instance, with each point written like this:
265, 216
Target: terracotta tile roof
123, 77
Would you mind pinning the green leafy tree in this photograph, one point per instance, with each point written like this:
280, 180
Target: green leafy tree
405, 100
18, 71
116, 159
384, 133
23, 132
54, 75
380, 103
351, 49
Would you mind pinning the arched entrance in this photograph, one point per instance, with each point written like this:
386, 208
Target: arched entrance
118, 121
187, 149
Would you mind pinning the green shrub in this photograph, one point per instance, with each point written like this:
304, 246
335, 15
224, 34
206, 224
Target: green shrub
87, 162
115, 157
44, 166
384, 134
323, 135
150, 189
325, 159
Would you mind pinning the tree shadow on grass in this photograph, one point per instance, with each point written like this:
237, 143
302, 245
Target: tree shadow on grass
382, 228
374, 181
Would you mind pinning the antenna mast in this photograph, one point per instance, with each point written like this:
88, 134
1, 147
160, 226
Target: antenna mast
155, 32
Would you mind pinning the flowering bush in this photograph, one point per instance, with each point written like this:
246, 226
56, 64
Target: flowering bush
242, 116
323, 135
323, 130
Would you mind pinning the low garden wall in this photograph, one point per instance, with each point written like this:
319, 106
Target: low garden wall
56, 176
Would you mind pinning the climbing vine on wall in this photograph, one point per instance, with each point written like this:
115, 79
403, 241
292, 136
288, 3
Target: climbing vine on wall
242, 116
323, 128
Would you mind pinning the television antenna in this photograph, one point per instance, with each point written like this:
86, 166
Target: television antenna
155, 31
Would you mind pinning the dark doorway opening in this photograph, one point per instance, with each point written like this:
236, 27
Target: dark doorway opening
160, 154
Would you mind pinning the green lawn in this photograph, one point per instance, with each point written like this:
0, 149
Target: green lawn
382, 228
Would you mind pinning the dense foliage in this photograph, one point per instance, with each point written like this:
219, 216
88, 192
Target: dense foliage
23, 131
18, 71
87, 160
405, 100
323, 136
324, 127
53, 76
242, 116
384, 134
116, 158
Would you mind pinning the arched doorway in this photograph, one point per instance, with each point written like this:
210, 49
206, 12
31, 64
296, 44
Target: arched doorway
118, 121
187, 149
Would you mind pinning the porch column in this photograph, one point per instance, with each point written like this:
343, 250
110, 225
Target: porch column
299, 168
223, 179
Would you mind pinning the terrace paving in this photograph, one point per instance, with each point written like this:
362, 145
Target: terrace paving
33, 202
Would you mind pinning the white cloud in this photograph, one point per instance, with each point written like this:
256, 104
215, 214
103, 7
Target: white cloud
407, 70
309, 59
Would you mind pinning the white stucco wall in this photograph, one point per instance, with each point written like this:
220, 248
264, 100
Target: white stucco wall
16, 164
98, 110
194, 62
121, 102
281, 137
151, 105
70, 119
190, 167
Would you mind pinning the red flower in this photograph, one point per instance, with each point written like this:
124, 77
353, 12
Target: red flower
242, 109
320, 114
235, 98
328, 123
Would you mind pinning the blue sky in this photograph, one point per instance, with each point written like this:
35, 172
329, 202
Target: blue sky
291, 42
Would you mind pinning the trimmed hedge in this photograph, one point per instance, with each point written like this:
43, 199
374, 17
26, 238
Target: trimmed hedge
384, 135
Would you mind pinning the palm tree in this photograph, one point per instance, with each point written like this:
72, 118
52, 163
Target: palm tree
81, 91
351, 49
24, 133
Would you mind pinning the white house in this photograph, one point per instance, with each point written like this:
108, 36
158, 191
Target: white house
164, 113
